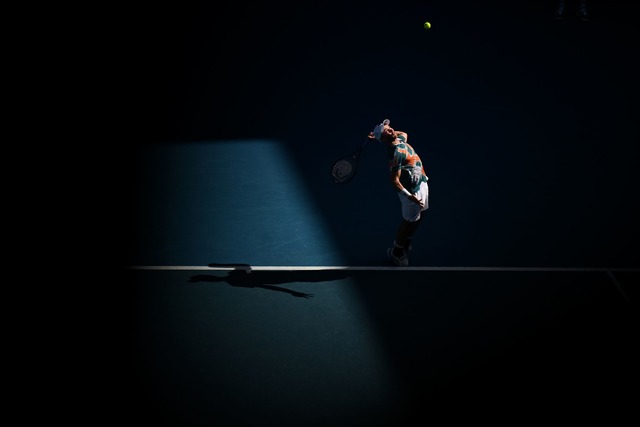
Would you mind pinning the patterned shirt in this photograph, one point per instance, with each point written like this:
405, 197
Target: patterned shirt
403, 157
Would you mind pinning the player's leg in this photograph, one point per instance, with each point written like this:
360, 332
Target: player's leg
406, 230
412, 215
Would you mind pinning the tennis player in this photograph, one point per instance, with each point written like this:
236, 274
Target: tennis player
410, 181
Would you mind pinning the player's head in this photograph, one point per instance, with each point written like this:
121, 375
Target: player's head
383, 132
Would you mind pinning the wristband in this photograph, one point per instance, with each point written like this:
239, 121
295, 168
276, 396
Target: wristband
405, 191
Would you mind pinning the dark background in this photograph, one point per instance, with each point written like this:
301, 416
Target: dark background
528, 129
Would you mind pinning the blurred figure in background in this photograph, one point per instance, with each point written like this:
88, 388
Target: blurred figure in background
581, 12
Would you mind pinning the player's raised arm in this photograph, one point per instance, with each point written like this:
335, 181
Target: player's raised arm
406, 137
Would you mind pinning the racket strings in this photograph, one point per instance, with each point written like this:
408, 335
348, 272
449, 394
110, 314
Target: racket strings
342, 170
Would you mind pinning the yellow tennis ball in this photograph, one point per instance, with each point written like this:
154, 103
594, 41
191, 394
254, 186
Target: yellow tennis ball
427, 25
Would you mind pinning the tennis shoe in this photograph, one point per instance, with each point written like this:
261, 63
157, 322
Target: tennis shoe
401, 261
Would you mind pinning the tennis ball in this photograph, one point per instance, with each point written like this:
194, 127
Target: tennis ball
427, 25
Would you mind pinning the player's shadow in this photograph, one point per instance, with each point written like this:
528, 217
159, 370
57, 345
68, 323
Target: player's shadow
240, 277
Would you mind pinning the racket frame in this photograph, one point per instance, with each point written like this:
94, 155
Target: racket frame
354, 159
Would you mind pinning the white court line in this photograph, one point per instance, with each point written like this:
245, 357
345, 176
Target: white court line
619, 286
372, 268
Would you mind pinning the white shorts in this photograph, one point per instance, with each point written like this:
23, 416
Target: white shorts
411, 210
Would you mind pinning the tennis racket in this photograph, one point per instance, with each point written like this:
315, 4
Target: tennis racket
345, 168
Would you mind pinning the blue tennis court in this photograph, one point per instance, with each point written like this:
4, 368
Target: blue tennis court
261, 293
